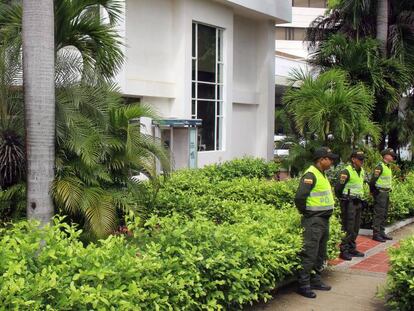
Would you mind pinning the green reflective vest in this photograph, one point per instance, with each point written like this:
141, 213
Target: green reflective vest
355, 184
321, 197
384, 181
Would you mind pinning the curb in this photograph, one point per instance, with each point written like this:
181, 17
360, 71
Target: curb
391, 228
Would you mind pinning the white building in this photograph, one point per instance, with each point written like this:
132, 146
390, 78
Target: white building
290, 36
291, 50
205, 59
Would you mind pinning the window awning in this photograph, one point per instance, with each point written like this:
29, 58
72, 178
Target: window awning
177, 122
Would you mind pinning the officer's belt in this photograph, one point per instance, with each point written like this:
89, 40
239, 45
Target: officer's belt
383, 190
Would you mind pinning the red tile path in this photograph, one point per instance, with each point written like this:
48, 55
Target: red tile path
378, 262
375, 263
365, 243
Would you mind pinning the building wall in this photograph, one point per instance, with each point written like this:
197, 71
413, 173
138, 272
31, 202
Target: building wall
244, 137
158, 39
301, 19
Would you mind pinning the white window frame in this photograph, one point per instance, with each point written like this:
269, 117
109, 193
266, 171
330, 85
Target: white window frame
219, 85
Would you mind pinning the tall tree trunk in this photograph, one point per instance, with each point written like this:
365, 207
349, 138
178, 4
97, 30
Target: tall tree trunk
39, 97
383, 12
383, 16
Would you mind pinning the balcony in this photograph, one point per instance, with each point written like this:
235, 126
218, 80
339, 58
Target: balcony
279, 10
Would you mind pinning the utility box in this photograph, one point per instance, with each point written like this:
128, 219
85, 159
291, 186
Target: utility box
180, 137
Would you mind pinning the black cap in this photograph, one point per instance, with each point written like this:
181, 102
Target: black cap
324, 152
389, 151
359, 154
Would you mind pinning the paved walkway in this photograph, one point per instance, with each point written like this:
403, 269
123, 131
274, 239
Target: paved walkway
354, 283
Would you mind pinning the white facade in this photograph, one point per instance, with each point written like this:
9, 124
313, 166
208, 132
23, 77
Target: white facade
291, 51
301, 19
158, 69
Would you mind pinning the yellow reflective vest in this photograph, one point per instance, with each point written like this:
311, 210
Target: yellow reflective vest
384, 180
355, 184
321, 197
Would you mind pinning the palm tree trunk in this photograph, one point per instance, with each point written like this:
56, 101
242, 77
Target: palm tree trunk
39, 97
382, 24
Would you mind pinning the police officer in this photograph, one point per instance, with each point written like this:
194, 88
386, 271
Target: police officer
349, 190
380, 186
314, 200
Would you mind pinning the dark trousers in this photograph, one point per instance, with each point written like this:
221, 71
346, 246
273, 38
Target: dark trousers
351, 221
313, 255
381, 202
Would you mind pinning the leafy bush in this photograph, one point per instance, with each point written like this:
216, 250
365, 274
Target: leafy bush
401, 202
400, 282
221, 245
244, 167
12, 203
171, 264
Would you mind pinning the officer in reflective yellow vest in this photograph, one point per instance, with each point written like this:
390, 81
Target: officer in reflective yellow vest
380, 186
350, 191
314, 200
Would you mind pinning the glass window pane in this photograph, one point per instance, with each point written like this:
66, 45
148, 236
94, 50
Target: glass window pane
280, 33
317, 3
289, 33
193, 69
299, 34
206, 91
220, 45
220, 73
194, 41
219, 92
300, 3
219, 109
206, 53
219, 125
193, 90
206, 112
193, 107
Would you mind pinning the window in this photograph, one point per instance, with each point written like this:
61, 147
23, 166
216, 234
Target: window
309, 3
207, 85
290, 33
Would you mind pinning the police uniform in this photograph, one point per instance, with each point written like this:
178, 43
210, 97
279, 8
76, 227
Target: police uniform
380, 186
350, 190
314, 200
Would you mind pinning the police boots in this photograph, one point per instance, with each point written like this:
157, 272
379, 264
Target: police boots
306, 292
345, 255
378, 238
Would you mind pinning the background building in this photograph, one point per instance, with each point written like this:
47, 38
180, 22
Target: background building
205, 59
291, 50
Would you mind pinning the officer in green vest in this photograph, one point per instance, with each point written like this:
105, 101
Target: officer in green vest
314, 200
380, 186
350, 191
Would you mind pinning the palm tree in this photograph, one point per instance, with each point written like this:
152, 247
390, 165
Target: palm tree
12, 151
362, 60
39, 95
99, 147
391, 22
79, 25
12, 154
330, 108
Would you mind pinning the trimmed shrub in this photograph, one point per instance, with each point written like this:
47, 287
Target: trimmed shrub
208, 244
400, 282
171, 264
245, 167
401, 202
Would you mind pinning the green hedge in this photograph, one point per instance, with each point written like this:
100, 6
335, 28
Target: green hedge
210, 241
172, 264
245, 167
195, 192
401, 202
402, 199
400, 282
